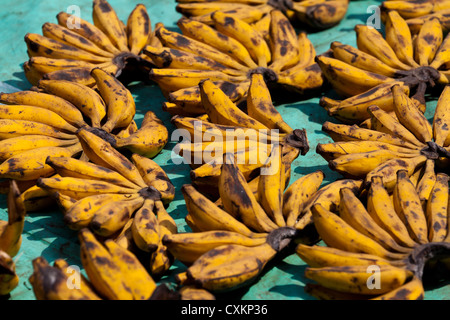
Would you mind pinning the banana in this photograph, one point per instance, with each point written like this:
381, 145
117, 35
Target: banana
102, 153
408, 9
10, 128
240, 30
408, 206
322, 256
348, 80
428, 42
193, 293
119, 102
149, 139
381, 209
371, 41
207, 216
338, 278
437, 209
306, 50
427, 181
11, 230
408, 115
115, 278
352, 211
39, 45
71, 167
79, 188
260, 107
411, 290
181, 42
230, 266
284, 44
154, 176
30, 165
323, 293
442, 56
105, 18
221, 110
51, 283
9, 279
139, 29
89, 31
16, 145
62, 107
64, 202
298, 194
71, 38
271, 186
206, 34
87, 100
328, 197
336, 233
441, 121
361, 59
145, 228
399, 38
162, 259
238, 199
80, 214
188, 247
319, 15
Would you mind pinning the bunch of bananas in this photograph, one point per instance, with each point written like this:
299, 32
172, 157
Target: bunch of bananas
317, 14
379, 244
417, 12
228, 53
224, 127
11, 239
115, 197
404, 141
363, 76
71, 48
43, 123
235, 237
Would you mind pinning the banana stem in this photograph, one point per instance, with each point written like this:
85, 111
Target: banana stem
282, 5
423, 253
435, 151
298, 139
280, 238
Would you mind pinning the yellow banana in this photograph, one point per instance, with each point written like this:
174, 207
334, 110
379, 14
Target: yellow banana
306, 50
30, 165
426, 181
71, 38
408, 206
221, 110
80, 214
442, 56
11, 230
229, 266
271, 185
336, 233
102, 153
188, 247
437, 209
10, 128
139, 29
411, 290
354, 279
145, 228
194, 293
62, 107
52, 283
322, 256
118, 99
303, 80
105, 18
352, 211
260, 107
64, 202
399, 38
348, 80
89, 31
441, 120
428, 41
298, 194
207, 216
86, 99
206, 34
238, 199
243, 32
381, 209
149, 139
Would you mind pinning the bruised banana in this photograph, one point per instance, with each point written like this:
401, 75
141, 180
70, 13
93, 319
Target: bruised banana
70, 49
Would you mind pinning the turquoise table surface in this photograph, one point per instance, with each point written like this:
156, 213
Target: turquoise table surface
45, 233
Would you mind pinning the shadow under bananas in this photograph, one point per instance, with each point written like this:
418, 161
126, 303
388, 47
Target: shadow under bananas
19, 80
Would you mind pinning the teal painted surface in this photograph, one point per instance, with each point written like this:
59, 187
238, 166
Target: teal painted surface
45, 233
